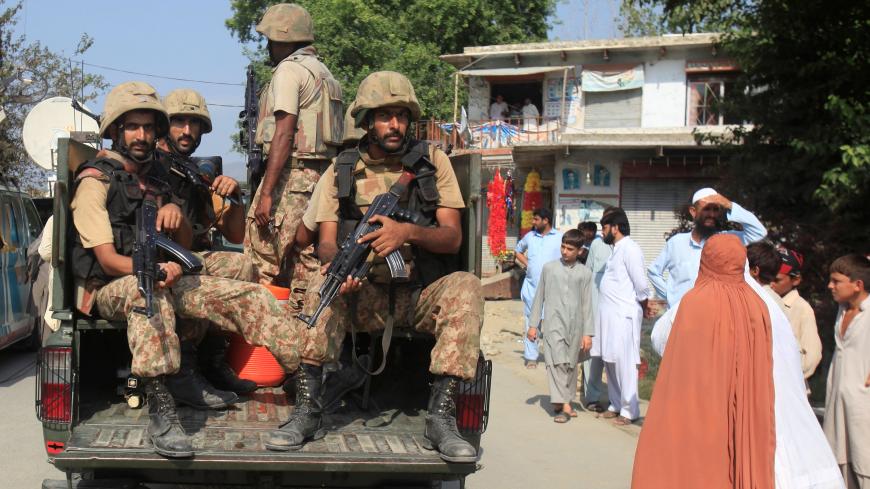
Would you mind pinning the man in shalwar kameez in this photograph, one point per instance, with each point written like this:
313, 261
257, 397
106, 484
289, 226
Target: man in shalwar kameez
622, 304
565, 290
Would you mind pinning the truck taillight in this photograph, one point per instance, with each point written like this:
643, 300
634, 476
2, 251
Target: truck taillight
472, 402
54, 385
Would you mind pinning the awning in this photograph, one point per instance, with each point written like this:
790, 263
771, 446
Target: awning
531, 70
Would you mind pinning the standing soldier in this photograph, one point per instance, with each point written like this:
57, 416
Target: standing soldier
300, 126
107, 195
438, 300
189, 119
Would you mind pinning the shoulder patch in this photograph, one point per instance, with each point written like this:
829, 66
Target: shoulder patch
92, 173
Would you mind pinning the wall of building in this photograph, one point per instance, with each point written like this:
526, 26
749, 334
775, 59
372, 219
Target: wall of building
664, 94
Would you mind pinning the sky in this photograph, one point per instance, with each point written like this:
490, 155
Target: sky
188, 39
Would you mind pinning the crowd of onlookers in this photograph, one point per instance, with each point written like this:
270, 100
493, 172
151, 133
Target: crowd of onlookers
741, 342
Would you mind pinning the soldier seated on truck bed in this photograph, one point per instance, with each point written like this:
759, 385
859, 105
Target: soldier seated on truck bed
107, 194
201, 345
437, 300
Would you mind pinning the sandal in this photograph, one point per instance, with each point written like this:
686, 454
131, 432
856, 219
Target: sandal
531, 365
594, 407
562, 418
622, 421
609, 415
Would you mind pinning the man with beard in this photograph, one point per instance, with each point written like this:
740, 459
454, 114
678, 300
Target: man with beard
300, 128
622, 305
681, 255
189, 119
436, 299
108, 193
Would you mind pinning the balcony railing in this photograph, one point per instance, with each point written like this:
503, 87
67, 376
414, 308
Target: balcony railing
490, 134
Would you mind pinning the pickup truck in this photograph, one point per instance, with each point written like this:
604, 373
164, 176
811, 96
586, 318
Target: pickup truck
375, 438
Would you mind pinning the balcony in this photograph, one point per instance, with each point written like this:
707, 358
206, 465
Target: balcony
489, 134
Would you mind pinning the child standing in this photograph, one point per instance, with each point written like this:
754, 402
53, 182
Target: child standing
563, 303
798, 311
847, 403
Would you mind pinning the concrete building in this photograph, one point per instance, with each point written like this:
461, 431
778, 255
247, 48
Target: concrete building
619, 124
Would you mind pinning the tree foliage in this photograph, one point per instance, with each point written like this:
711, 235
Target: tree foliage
804, 163
357, 37
30, 72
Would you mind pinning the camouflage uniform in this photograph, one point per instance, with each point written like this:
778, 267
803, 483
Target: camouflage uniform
451, 309
223, 264
246, 309
303, 86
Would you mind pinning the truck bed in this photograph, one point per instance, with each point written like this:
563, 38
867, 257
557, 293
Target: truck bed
112, 435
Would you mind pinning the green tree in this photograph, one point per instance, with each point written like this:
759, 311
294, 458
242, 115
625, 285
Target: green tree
804, 162
357, 37
29, 72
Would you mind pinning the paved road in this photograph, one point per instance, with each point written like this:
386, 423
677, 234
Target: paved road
523, 448
23, 462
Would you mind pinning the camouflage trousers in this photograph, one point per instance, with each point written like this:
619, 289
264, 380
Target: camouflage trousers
267, 246
451, 309
306, 269
224, 264
243, 308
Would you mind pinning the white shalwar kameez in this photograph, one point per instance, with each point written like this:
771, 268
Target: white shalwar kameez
803, 457
617, 325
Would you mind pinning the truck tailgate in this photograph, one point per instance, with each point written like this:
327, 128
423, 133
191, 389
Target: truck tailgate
114, 436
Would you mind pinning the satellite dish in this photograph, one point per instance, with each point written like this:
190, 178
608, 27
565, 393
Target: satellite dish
48, 121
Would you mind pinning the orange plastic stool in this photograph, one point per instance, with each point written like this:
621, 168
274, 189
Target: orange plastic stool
256, 363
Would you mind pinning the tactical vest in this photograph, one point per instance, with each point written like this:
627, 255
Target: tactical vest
422, 200
319, 125
195, 203
123, 200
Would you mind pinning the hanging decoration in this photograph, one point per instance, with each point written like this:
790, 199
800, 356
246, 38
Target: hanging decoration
532, 199
509, 196
497, 224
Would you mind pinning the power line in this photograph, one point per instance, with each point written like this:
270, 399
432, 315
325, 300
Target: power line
164, 77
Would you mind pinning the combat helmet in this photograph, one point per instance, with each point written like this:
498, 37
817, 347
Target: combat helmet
352, 134
384, 89
187, 102
129, 96
287, 22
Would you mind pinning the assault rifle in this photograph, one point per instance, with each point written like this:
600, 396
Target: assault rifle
145, 259
352, 257
248, 134
200, 172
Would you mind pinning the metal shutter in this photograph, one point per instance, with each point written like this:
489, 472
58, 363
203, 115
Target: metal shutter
650, 206
621, 108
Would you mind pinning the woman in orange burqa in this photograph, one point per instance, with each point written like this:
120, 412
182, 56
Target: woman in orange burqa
710, 422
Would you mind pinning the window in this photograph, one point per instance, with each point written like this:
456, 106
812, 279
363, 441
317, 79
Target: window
706, 94
616, 109
34, 222
11, 232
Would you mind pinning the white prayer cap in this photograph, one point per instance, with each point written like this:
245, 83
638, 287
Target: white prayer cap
703, 194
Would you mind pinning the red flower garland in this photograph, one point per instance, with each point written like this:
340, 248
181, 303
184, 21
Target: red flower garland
497, 224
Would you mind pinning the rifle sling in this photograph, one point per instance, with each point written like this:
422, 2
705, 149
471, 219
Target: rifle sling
386, 337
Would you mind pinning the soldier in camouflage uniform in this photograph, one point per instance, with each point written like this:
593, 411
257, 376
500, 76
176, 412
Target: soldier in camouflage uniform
437, 300
107, 195
189, 119
300, 128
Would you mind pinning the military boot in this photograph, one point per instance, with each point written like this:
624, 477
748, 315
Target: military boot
165, 430
342, 381
190, 388
306, 420
441, 432
213, 361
